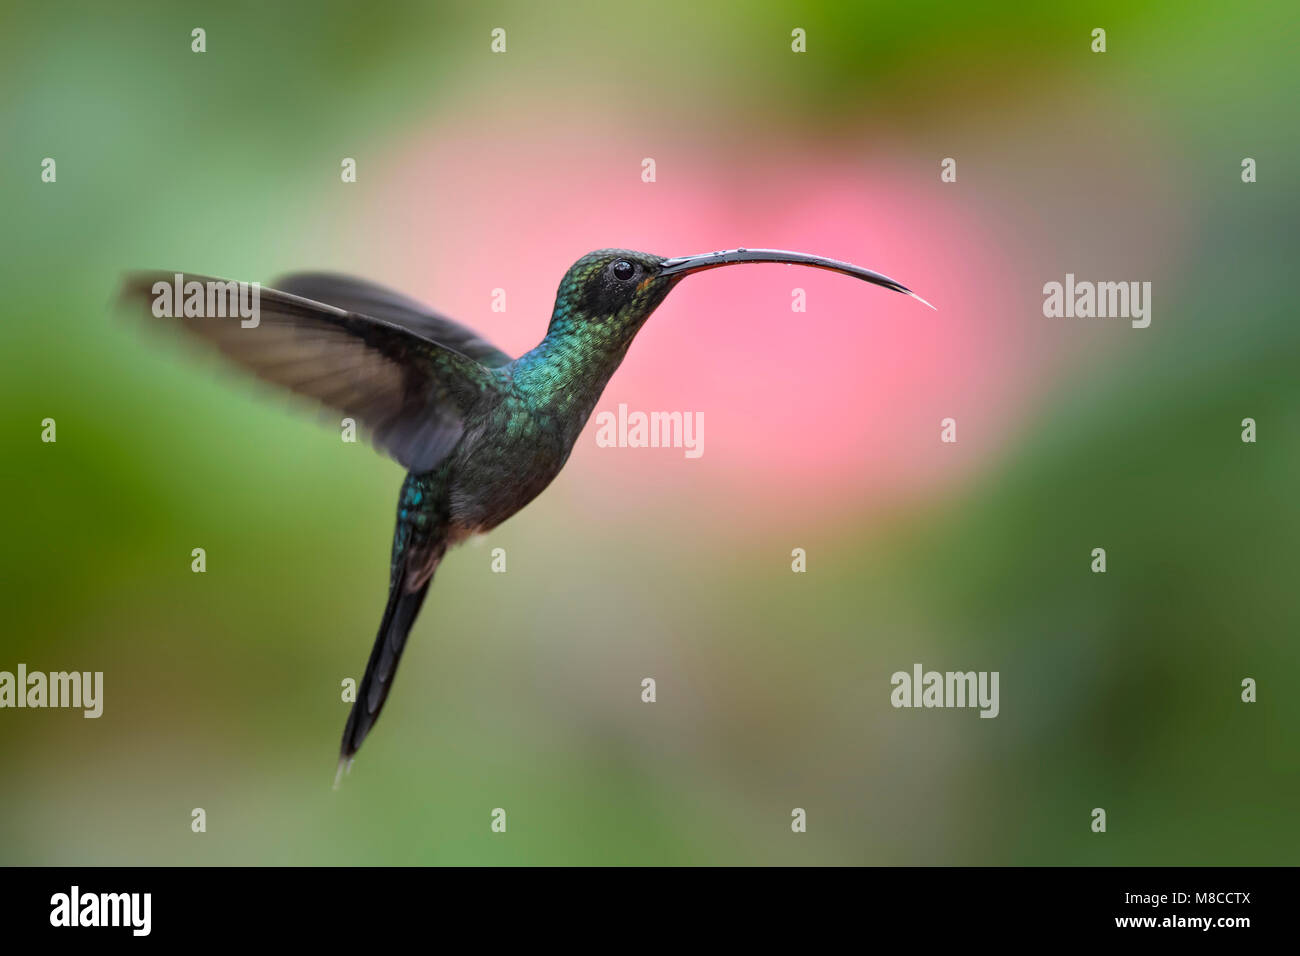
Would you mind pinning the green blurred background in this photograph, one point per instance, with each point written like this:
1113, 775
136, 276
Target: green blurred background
522, 690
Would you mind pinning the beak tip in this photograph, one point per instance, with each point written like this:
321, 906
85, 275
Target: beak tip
921, 300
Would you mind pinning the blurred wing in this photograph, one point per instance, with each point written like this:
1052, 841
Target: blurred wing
409, 392
367, 298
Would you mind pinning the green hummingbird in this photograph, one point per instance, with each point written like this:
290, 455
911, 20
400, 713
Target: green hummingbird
480, 434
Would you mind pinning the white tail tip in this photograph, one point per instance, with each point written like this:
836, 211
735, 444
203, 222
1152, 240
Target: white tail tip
345, 766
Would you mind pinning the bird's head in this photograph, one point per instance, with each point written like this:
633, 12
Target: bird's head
609, 290
613, 291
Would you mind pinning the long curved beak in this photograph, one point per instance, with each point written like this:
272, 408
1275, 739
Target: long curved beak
685, 265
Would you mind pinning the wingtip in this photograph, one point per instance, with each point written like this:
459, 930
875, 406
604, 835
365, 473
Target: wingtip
129, 286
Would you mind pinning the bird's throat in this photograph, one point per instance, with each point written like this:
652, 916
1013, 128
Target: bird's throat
566, 373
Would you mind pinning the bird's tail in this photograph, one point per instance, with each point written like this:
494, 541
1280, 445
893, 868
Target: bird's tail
403, 605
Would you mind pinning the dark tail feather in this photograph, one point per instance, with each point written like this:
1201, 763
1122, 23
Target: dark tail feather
399, 615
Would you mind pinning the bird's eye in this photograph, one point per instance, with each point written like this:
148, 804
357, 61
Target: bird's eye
624, 270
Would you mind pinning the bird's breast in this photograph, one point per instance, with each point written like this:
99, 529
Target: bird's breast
504, 462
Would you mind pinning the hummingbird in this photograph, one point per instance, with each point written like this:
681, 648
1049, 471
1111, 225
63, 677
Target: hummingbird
480, 434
